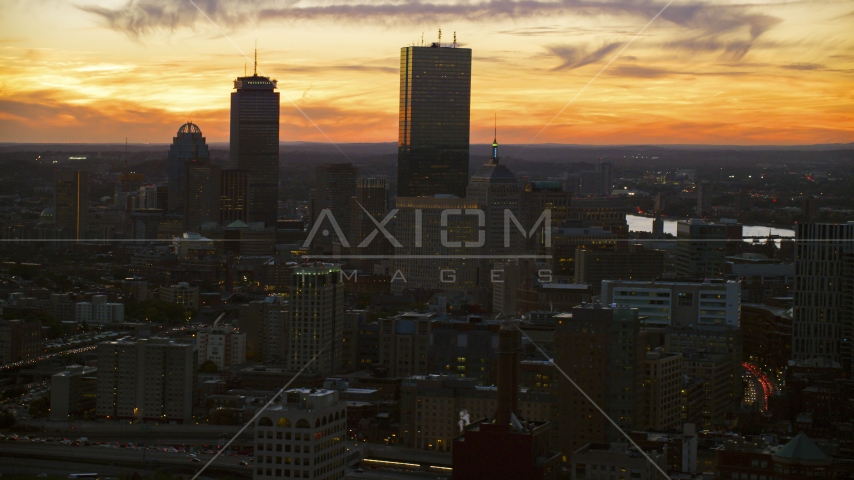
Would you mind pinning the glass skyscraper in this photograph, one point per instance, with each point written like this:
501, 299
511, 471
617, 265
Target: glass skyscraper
433, 141
187, 144
255, 143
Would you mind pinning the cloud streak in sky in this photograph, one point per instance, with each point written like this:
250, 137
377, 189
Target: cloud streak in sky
575, 57
731, 29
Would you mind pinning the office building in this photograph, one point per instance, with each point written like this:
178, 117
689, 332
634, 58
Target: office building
607, 213
302, 436
334, 187
719, 339
108, 312
566, 241
433, 140
591, 182
666, 303
83, 312
537, 198
71, 203
404, 341
495, 189
147, 198
704, 198
507, 277
824, 293
505, 444
234, 197
149, 379
798, 459
370, 199
662, 385
202, 185
181, 293
761, 277
368, 353
599, 347
767, 335
145, 224
429, 257
238, 238
715, 371
99, 311
467, 349
700, 249
316, 319
692, 399
680, 448
19, 340
61, 307
187, 144
263, 322
222, 344
593, 265
353, 320
603, 461
72, 392
254, 143
448, 395
533, 295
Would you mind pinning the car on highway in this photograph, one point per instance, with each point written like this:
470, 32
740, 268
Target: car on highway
243, 464
195, 460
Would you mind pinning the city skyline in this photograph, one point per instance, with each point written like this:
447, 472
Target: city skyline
655, 280
701, 73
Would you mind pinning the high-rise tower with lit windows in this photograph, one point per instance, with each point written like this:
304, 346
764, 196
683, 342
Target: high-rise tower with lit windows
255, 142
433, 140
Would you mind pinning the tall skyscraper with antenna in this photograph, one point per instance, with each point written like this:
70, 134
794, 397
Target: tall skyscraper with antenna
255, 142
433, 140
496, 189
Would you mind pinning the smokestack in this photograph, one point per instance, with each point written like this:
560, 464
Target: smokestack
508, 380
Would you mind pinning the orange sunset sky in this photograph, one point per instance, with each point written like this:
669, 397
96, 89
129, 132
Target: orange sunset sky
704, 72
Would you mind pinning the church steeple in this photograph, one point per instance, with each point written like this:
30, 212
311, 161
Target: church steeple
494, 160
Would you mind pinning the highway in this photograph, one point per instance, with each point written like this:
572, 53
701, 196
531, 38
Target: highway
143, 458
44, 357
765, 386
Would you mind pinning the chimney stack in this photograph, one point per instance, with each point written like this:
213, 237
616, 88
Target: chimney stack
508, 374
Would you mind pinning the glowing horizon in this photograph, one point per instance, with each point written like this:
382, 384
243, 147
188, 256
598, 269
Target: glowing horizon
715, 73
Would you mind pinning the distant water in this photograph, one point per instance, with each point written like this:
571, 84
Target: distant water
644, 224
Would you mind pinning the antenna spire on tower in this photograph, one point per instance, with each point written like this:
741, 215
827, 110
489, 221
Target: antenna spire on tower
440, 37
255, 71
455, 39
494, 160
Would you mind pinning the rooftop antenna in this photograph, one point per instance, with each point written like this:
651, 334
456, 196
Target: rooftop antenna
455, 39
440, 37
422, 39
244, 69
496, 125
255, 72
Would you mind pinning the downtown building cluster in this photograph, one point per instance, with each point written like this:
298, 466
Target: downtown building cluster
447, 318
